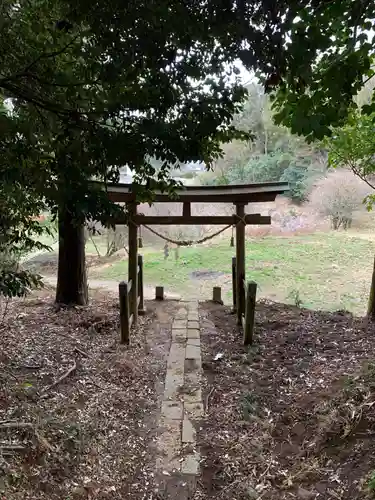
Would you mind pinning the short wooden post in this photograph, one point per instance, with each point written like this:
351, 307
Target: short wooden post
159, 293
216, 295
133, 261
124, 312
234, 286
251, 292
141, 305
240, 261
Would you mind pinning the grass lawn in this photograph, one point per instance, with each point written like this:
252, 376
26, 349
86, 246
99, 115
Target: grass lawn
323, 270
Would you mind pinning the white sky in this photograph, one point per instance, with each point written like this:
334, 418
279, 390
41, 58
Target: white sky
245, 75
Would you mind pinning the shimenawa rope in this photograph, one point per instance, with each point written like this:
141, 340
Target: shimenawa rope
187, 243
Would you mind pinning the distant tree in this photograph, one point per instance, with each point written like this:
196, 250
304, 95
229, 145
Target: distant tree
272, 154
116, 239
301, 174
256, 117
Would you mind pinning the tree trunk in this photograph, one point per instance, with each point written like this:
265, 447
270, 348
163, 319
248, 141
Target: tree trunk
265, 141
71, 278
371, 302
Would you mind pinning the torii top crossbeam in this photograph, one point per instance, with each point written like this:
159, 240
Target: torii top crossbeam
236, 194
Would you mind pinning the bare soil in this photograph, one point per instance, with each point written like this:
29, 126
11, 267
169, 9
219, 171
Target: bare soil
78, 411
293, 416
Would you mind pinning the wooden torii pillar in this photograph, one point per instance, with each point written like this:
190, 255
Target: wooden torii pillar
240, 261
133, 259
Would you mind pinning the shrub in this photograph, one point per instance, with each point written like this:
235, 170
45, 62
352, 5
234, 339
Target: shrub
339, 196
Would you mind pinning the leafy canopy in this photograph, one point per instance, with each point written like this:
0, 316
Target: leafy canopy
97, 85
93, 86
328, 52
353, 146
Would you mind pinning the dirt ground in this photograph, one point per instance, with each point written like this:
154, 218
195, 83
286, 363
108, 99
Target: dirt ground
292, 416
78, 411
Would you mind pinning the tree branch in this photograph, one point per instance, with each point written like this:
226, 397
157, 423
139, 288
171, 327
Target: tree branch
60, 379
368, 79
95, 245
362, 177
62, 85
44, 55
44, 103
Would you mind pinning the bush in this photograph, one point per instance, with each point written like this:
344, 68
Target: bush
263, 168
300, 174
16, 282
339, 196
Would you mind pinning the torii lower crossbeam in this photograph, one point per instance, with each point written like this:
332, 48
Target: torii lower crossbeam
196, 220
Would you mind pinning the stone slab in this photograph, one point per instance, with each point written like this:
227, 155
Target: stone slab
193, 333
176, 366
196, 365
176, 355
181, 314
189, 434
176, 349
180, 324
190, 464
190, 366
171, 410
193, 320
193, 396
195, 342
182, 401
193, 316
194, 410
193, 352
192, 379
179, 335
193, 324
174, 381
193, 309
169, 446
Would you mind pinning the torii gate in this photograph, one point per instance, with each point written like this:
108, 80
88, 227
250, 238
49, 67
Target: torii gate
238, 195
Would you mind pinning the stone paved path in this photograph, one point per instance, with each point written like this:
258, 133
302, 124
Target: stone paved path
182, 407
